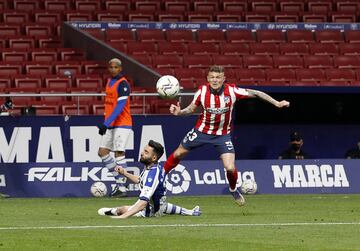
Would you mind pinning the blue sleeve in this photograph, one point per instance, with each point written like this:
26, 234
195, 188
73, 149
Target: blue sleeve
123, 95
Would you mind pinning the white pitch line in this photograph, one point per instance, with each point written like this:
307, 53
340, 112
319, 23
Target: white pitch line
188, 225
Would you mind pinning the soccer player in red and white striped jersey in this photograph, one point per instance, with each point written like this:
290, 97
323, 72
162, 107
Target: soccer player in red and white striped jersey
217, 100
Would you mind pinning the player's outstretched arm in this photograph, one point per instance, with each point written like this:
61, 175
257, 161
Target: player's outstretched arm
133, 178
268, 98
176, 110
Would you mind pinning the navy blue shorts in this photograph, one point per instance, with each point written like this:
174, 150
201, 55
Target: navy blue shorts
195, 139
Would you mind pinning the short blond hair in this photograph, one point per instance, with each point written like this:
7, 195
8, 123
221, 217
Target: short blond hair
115, 61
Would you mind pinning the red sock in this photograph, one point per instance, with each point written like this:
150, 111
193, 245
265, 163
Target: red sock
171, 163
232, 177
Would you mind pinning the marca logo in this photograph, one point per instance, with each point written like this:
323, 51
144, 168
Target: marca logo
2, 180
309, 176
58, 174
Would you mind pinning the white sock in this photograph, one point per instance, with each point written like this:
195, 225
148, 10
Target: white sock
120, 181
174, 209
109, 163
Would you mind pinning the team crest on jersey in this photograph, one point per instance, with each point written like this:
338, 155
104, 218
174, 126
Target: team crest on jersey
149, 179
227, 100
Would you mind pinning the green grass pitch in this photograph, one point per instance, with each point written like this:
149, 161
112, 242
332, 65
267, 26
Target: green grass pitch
267, 222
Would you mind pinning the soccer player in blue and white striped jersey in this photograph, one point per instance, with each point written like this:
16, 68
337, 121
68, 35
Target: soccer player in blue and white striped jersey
152, 199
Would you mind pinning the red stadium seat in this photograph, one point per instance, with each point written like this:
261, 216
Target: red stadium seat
185, 36
348, 6
281, 75
27, 82
318, 62
166, 71
98, 109
144, 6
10, 69
286, 18
343, 18
15, 17
49, 42
315, 18
340, 75
310, 75
95, 67
167, 48
194, 61
177, 6
315, 6
121, 35
97, 33
9, 30
349, 49
150, 35
202, 49
234, 6
270, 36
78, 16
62, 68
329, 36
299, 49
57, 6
118, 6
21, 42
324, 49
75, 109
43, 55
258, 61
300, 36
71, 54
170, 18
210, 36
47, 17
288, 61
26, 5
141, 17
38, 30
206, 7
235, 49
12, 55
87, 6
257, 18
46, 110
149, 48
201, 18
350, 62
263, 7
143, 59
228, 18
185, 73
5, 83
57, 83
164, 61
293, 7
240, 36
352, 36
250, 76
264, 49
228, 61
108, 16
38, 69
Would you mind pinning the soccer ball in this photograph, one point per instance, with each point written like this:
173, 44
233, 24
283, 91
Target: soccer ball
248, 187
98, 189
167, 86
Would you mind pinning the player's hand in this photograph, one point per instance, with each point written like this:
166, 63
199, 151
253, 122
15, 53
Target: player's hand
119, 169
175, 109
283, 103
102, 129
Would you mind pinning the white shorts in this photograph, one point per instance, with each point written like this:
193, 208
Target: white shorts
115, 139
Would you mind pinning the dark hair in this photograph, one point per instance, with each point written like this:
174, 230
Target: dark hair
216, 68
158, 148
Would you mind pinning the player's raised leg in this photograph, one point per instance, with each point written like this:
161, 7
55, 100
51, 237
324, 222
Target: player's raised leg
174, 159
228, 160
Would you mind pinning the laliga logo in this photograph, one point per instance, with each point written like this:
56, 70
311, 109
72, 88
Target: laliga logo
178, 180
2, 180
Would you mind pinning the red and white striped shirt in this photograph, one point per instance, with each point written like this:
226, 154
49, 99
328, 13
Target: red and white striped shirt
216, 116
